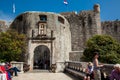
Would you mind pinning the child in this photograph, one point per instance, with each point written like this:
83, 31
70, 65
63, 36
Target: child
89, 72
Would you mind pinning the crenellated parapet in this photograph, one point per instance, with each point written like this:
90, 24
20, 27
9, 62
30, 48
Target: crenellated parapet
111, 28
66, 14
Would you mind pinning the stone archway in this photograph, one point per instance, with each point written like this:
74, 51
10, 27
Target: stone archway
41, 57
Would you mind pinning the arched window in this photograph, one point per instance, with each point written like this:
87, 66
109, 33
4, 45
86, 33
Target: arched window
20, 18
60, 19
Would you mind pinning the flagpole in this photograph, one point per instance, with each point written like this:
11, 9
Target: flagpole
67, 8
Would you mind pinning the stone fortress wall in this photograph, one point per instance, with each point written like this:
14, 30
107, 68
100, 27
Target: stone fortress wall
83, 26
78, 27
111, 28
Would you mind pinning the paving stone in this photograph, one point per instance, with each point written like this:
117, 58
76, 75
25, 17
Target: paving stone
43, 76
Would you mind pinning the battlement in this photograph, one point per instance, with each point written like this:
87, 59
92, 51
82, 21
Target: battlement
111, 28
108, 22
68, 14
81, 13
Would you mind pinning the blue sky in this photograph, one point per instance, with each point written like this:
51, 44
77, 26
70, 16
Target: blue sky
110, 9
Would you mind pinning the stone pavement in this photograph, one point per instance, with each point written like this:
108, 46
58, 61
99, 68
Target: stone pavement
43, 76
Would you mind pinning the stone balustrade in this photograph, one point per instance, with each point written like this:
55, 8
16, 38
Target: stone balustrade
78, 68
19, 65
107, 68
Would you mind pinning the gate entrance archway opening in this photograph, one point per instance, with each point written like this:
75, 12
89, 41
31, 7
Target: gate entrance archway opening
41, 57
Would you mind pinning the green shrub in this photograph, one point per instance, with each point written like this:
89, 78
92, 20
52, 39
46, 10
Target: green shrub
108, 48
12, 45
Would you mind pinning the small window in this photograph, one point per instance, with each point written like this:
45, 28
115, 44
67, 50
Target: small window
43, 17
115, 28
20, 18
89, 20
60, 19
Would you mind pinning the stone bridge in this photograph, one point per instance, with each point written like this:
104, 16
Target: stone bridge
73, 71
44, 75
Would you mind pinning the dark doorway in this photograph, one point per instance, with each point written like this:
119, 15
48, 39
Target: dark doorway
41, 57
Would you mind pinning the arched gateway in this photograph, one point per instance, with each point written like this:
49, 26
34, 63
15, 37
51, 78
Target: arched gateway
49, 39
41, 57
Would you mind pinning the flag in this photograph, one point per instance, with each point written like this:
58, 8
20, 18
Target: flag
65, 2
13, 8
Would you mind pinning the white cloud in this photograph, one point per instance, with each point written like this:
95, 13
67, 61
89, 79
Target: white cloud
6, 17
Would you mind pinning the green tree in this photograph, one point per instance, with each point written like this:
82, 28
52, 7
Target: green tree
12, 45
108, 48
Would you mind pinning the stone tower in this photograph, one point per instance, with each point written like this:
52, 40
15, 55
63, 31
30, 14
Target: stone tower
83, 26
96, 8
97, 17
49, 38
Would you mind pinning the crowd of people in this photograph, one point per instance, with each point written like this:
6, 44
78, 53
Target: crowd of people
8, 70
93, 71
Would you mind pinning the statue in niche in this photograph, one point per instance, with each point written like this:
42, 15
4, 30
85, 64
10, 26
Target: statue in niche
42, 30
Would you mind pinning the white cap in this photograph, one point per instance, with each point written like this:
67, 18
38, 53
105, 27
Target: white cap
117, 66
2, 64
